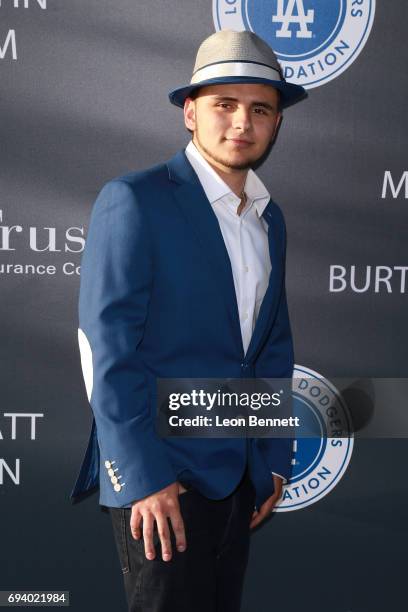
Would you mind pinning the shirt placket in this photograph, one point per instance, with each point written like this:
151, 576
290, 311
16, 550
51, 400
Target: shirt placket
245, 309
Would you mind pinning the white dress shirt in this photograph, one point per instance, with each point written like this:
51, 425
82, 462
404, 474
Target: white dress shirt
245, 237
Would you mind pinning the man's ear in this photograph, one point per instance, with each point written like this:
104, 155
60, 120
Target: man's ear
190, 114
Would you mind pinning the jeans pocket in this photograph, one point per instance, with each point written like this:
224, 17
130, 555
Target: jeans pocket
119, 519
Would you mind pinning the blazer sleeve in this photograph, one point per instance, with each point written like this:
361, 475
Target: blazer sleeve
116, 281
276, 360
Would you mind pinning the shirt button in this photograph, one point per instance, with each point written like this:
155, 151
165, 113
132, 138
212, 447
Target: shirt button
246, 269
245, 316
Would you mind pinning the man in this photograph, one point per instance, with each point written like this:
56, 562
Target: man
183, 277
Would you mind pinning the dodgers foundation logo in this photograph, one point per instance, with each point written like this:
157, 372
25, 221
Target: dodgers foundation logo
314, 40
318, 462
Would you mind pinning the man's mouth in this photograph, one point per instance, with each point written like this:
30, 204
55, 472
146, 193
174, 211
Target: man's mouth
240, 141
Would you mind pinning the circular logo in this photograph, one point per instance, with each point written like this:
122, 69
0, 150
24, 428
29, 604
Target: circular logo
318, 462
314, 40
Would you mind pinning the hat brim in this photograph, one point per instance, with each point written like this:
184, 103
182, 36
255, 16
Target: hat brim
290, 93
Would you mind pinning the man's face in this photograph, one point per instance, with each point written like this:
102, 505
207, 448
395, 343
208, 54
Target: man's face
233, 124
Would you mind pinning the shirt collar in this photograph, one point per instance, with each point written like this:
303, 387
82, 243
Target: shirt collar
215, 188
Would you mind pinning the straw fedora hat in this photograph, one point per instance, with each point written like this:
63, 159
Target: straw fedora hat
237, 57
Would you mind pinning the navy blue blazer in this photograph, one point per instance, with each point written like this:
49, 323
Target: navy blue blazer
157, 299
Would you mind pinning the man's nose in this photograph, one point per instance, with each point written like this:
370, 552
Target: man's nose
242, 118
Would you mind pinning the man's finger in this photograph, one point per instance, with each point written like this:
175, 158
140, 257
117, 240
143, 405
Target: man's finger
177, 524
135, 521
258, 519
164, 535
253, 517
263, 512
148, 521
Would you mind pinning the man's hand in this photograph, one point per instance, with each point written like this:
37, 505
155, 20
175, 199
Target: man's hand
157, 507
269, 504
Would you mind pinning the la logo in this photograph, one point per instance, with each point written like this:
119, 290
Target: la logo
290, 15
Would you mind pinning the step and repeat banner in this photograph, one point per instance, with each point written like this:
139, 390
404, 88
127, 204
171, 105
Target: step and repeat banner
83, 99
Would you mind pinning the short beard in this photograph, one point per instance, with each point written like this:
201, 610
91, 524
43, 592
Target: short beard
243, 166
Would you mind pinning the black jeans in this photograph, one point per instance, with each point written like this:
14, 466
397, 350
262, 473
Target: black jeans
208, 576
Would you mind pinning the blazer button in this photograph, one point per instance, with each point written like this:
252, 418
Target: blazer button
114, 479
111, 472
117, 487
108, 465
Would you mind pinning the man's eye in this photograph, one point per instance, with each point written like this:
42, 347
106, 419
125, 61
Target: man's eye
260, 111
224, 105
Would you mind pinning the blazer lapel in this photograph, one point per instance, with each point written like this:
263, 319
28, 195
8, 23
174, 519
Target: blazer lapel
193, 202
